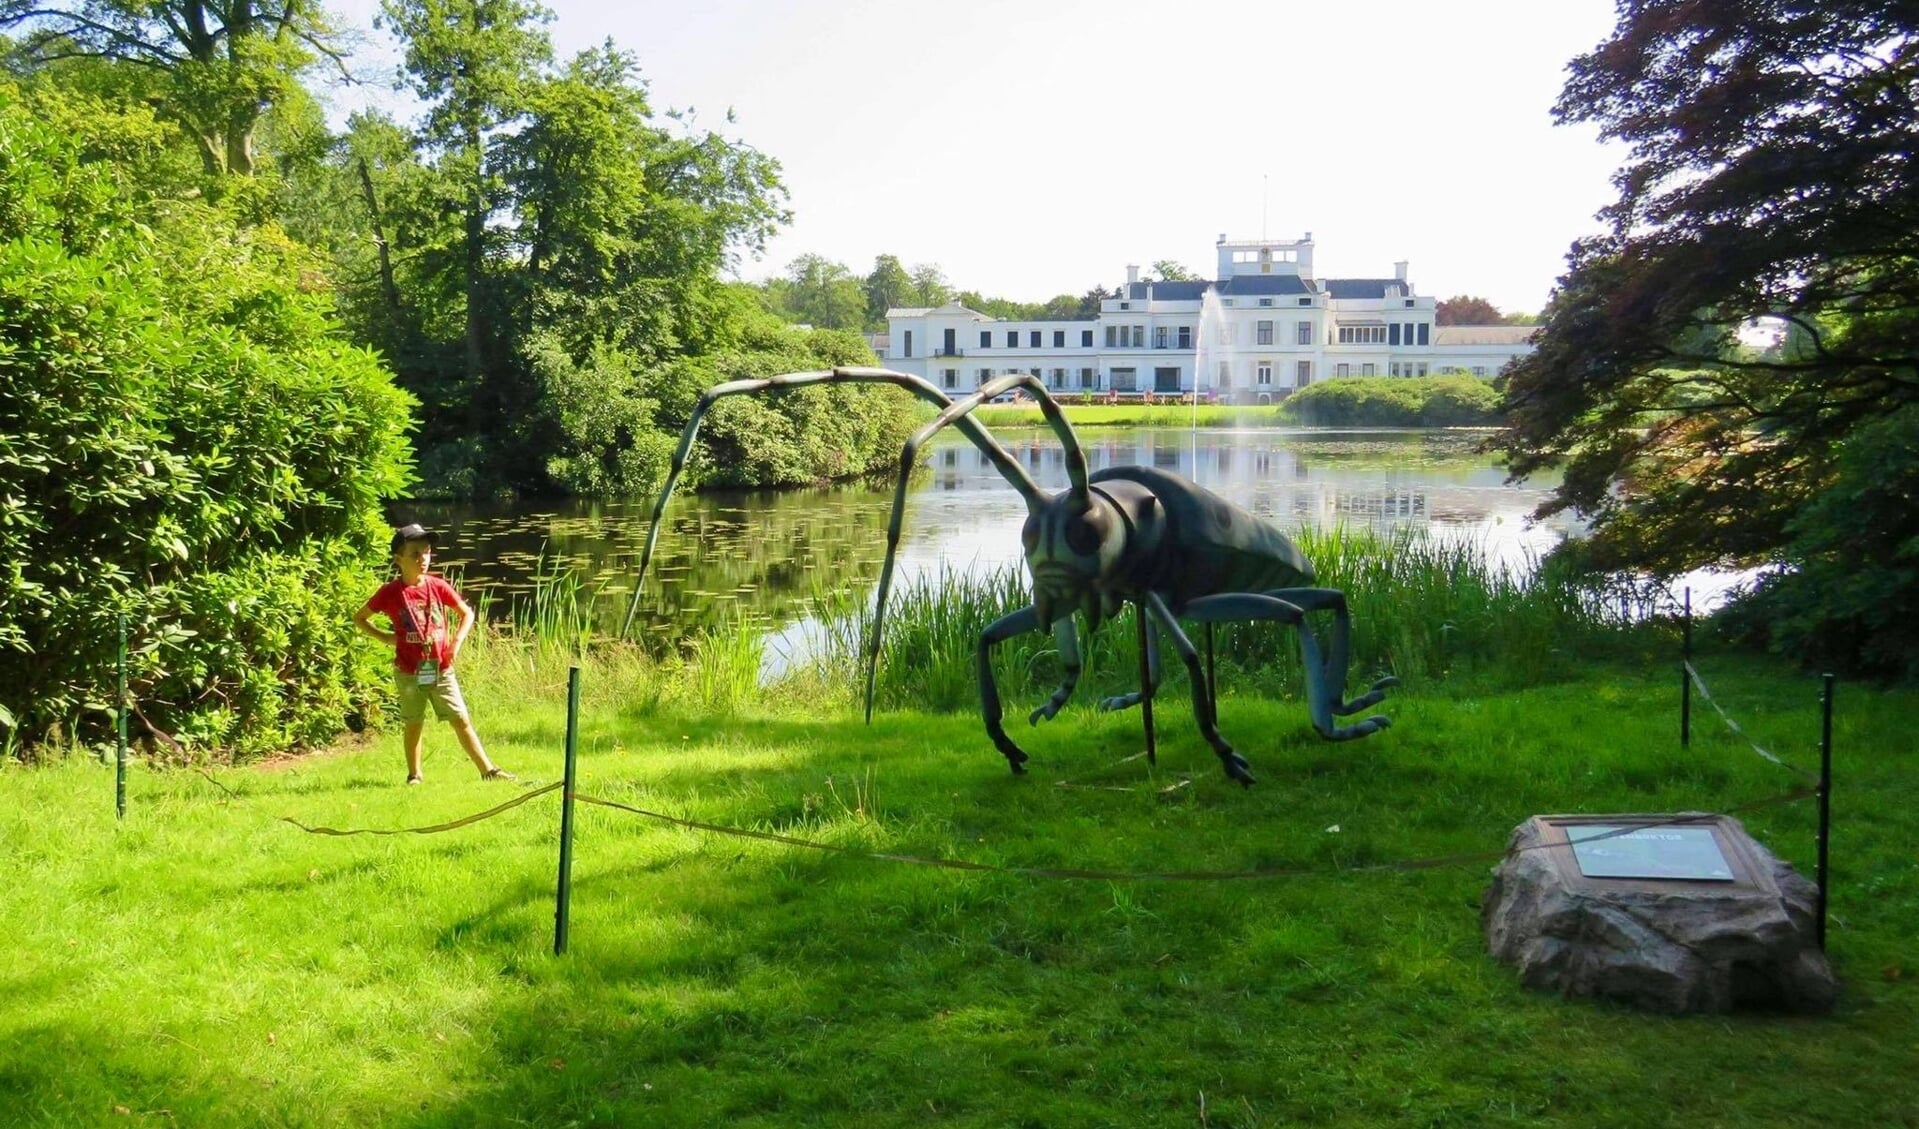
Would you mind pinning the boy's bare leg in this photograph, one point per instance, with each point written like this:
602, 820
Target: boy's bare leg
410, 741
470, 741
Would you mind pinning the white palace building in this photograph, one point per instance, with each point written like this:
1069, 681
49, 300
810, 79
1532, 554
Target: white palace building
1264, 327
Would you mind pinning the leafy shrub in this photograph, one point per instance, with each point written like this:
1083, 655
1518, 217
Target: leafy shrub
183, 442
1394, 401
1850, 596
785, 438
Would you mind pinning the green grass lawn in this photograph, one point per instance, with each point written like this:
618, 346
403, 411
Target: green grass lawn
204, 963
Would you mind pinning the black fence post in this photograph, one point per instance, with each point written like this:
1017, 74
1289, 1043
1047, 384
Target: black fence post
1825, 802
1212, 679
1145, 686
564, 898
120, 726
1685, 676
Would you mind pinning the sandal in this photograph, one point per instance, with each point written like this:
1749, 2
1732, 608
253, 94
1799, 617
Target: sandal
414, 779
497, 774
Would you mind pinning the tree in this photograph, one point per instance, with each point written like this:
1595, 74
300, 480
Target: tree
225, 62
822, 293
1089, 302
930, 287
473, 63
887, 286
1166, 270
1769, 175
1464, 309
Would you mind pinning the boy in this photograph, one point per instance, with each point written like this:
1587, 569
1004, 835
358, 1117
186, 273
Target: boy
417, 606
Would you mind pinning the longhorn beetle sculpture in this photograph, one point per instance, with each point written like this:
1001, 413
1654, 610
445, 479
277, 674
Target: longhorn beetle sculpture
1126, 534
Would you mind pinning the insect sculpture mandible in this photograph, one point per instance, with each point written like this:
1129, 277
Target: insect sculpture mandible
1129, 534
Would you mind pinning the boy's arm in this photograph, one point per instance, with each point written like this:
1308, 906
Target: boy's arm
458, 603
363, 622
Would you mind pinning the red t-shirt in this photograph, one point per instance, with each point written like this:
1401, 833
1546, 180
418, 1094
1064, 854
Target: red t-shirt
419, 617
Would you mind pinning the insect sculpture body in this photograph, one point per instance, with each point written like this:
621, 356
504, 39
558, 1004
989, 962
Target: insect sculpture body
1137, 535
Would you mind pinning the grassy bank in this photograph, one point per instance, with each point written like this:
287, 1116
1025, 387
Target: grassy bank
1135, 415
203, 963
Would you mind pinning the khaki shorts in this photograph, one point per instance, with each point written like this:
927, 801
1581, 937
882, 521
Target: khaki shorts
444, 694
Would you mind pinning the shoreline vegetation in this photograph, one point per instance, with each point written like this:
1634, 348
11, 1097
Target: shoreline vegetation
1353, 401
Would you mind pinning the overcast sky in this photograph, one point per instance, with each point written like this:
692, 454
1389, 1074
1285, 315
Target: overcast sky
1036, 147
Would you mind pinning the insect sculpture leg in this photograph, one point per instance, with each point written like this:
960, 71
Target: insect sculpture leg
1002, 460
1129, 700
1234, 764
1333, 670
1066, 638
1320, 696
1004, 628
960, 412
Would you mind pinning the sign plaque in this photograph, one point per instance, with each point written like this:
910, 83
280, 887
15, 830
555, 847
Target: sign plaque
1671, 851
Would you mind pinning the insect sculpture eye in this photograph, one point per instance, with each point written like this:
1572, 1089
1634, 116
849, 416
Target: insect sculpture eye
1082, 535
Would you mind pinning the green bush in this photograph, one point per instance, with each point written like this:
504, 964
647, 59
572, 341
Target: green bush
786, 438
1394, 401
1849, 598
185, 442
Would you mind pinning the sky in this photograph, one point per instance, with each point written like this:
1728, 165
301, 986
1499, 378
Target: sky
1037, 148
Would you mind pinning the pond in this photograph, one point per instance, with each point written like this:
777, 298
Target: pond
762, 556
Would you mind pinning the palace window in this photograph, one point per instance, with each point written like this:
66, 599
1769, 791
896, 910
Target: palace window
1263, 375
1367, 369
1342, 369
1362, 335
1125, 379
949, 377
1012, 339
1159, 337
1032, 339
1303, 374
1185, 336
1263, 333
986, 339
1303, 333
1112, 337
1059, 339
1265, 301
1139, 337
1086, 378
1086, 338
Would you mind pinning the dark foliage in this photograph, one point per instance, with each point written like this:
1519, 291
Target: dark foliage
1771, 176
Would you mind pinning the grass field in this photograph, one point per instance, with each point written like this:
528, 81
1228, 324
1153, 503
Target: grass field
204, 963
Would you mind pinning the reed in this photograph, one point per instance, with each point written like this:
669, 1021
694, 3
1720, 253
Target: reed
1424, 608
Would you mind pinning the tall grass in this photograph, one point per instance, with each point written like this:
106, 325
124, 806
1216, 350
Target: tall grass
1424, 608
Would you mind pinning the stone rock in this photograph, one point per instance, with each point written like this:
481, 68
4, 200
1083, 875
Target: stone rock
1664, 945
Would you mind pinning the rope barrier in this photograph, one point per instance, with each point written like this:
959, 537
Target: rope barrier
1433, 863
1700, 682
433, 829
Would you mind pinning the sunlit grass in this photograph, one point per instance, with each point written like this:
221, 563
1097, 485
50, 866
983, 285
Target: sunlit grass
203, 963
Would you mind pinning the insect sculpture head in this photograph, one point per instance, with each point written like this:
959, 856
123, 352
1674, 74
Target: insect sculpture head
1073, 546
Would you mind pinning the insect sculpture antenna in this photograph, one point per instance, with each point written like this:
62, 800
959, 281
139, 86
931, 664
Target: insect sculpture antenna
1002, 459
960, 412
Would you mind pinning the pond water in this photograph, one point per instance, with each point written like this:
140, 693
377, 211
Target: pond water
761, 556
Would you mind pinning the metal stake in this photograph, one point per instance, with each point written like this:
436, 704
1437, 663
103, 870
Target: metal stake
563, 901
1685, 677
1145, 687
1825, 803
1212, 680
120, 724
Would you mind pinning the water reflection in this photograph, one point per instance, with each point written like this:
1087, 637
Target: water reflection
766, 556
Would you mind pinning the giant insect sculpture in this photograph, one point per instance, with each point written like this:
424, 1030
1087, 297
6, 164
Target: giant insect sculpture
1128, 534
